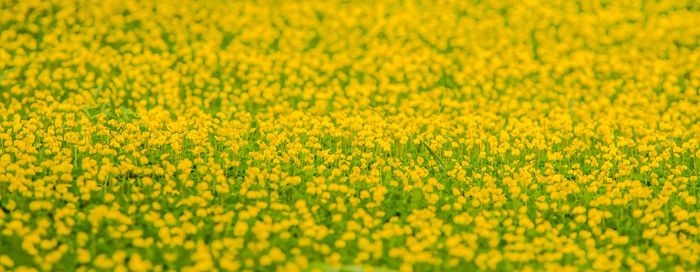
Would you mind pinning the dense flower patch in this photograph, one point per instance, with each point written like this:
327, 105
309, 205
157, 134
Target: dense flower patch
320, 135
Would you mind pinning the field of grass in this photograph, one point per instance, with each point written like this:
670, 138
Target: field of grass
349, 135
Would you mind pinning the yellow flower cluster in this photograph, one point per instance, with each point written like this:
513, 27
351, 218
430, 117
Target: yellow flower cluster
409, 135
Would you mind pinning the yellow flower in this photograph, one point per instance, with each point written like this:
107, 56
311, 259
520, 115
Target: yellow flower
240, 229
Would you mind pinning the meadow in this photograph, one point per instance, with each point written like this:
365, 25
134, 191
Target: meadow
349, 135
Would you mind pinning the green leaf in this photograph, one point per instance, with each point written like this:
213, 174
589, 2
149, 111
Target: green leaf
7, 74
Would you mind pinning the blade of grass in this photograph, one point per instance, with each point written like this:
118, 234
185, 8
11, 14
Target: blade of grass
435, 156
432, 153
7, 74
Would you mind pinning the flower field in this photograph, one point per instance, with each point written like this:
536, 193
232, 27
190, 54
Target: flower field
349, 135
